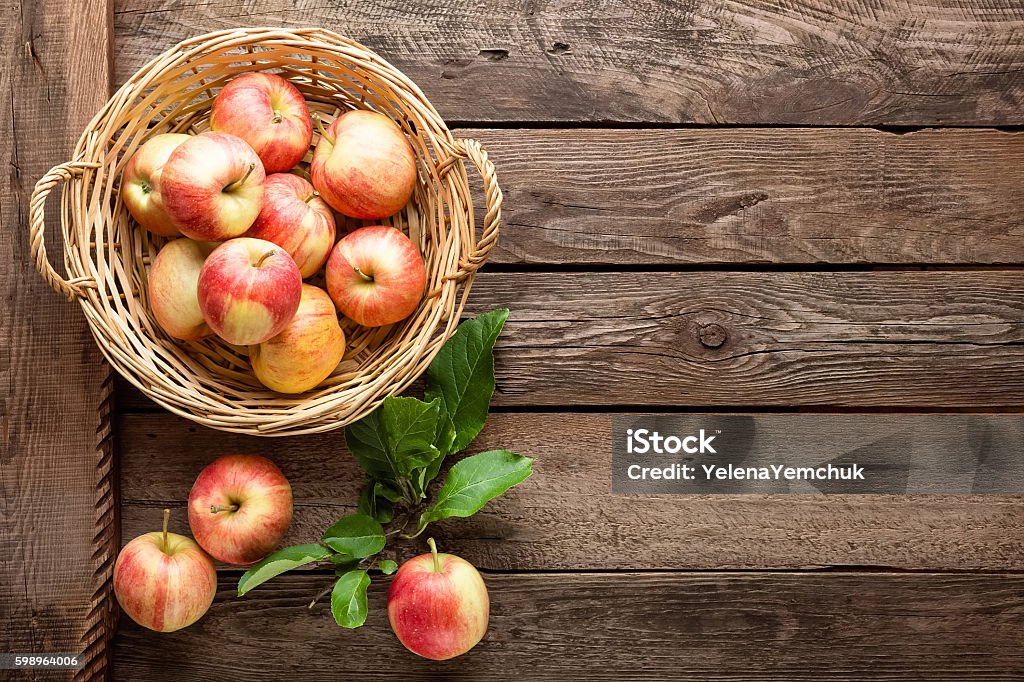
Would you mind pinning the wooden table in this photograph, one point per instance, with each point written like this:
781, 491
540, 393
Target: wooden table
839, 187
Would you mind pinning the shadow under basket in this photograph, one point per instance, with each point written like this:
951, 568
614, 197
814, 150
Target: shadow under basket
106, 254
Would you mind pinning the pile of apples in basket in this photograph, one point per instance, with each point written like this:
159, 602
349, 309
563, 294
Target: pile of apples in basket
252, 230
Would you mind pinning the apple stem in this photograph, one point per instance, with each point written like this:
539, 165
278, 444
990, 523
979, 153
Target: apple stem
264, 257
312, 195
167, 519
366, 278
433, 552
277, 118
216, 509
238, 183
320, 127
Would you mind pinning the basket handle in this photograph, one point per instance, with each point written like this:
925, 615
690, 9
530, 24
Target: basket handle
492, 217
69, 288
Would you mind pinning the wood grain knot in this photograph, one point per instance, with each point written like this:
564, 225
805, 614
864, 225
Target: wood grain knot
712, 335
494, 55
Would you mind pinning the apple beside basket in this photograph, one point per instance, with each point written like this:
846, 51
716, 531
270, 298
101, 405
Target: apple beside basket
106, 253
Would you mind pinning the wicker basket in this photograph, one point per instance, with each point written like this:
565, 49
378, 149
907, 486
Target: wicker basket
106, 254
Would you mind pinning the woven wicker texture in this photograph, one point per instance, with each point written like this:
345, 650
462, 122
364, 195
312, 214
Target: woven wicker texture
106, 254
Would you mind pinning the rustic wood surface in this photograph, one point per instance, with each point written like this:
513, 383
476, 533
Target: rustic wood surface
753, 62
625, 626
758, 196
565, 517
842, 268
834, 338
58, 533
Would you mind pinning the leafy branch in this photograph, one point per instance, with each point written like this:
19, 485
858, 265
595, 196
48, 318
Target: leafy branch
401, 446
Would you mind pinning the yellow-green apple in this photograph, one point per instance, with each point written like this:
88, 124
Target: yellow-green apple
239, 508
173, 283
140, 183
376, 276
164, 581
249, 290
308, 349
364, 166
295, 218
270, 114
212, 187
438, 605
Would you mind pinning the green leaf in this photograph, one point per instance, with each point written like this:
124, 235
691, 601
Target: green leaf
462, 376
419, 482
356, 535
422, 477
348, 599
375, 501
280, 561
430, 472
411, 428
446, 435
396, 438
383, 490
387, 567
365, 438
474, 481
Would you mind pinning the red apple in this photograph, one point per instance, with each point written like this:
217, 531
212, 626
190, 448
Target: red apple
270, 114
249, 290
164, 581
140, 183
364, 166
438, 605
307, 351
295, 218
376, 276
212, 187
239, 508
173, 281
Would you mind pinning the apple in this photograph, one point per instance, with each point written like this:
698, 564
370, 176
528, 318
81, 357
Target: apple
212, 187
438, 605
249, 290
239, 508
308, 349
173, 283
270, 114
295, 218
364, 166
164, 581
376, 276
140, 183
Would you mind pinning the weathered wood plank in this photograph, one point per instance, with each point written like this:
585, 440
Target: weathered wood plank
808, 62
928, 339
642, 197
58, 534
891, 339
824, 626
565, 517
